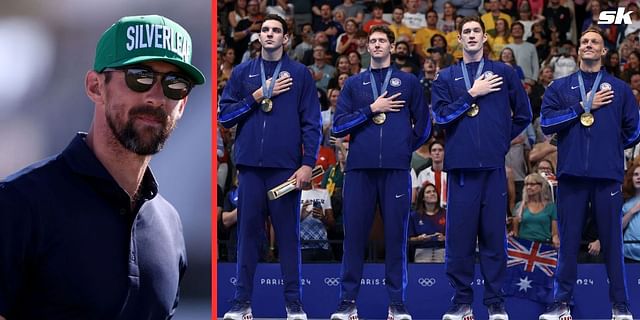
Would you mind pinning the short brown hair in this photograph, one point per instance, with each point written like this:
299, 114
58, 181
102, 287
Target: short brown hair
593, 29
285, 28
471, 19
384, 29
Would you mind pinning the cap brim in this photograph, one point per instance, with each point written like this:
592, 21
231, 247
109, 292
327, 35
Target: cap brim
193, 72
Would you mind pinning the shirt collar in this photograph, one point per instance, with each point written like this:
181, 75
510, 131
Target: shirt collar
83, 161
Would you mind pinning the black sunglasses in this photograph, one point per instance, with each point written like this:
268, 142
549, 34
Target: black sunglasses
141, 79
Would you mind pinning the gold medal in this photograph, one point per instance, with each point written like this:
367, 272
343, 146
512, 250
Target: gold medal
473, 111
379, 118
587, 119
267, 105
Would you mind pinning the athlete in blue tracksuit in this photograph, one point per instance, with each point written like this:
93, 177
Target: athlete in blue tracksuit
377, 169
480, 118
590, 166
273, 143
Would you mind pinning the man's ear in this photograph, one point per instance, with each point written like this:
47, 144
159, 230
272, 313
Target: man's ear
93, 86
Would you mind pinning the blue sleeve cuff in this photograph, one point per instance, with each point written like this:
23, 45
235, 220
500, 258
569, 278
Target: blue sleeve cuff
309, 161
366, 110
577, 108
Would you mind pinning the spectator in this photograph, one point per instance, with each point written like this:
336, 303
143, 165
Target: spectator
343, 71
558, 19
632, 66
228, 57
306, 45
292, 32
437, 55
448, 21
245, 27
427, 76
316, 218
540, 40
589, 251
332, 181
342, 66
508, 58
435, 174
536, 218
365, 56
516, 159
255, 47
630, 209
629, 44
320, 38
592, 20
327, 115
527, 19
326, 24
376, 17
340, 17
280, 7
533, 6
412, 18
422, 40
563, 60
352, 10
316, 8
545, 168
421, 158
427, 226
544, 150
401, 57
500, 38
524, 52
452, 41
467, 7
399, 28
536, 92
355, 63
238, 13
612, 64
347, 41
509, 8
320, 70
492, 16
635, 19
438, 41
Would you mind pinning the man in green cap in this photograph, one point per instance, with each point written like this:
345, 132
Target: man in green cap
85, 234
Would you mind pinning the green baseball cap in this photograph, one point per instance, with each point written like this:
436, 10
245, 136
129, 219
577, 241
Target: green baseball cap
136, 39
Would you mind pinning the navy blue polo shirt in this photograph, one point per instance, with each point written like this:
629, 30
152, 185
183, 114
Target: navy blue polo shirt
72, 247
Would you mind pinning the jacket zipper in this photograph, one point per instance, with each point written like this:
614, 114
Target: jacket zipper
380, 153
264, 126
586, 163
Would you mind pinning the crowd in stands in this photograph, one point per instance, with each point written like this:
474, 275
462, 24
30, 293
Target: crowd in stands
535, 37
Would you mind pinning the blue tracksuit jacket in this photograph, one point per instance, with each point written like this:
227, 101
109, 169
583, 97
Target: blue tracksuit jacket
596, 151
274, 139
483, 141
386, 146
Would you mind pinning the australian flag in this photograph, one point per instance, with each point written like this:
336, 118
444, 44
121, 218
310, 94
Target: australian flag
530, 270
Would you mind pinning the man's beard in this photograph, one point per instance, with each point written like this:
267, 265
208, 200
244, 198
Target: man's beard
144, 141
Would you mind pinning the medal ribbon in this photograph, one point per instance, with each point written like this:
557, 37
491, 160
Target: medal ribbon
465, 74
267, 92
374, 87
586, 103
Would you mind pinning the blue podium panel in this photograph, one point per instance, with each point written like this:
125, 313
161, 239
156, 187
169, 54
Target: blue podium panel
428, 292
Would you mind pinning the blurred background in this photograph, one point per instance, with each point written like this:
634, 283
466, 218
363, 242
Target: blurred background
48, 46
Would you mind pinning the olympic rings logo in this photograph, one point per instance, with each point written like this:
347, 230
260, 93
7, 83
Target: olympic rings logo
427, 282
233, 280
332, 282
